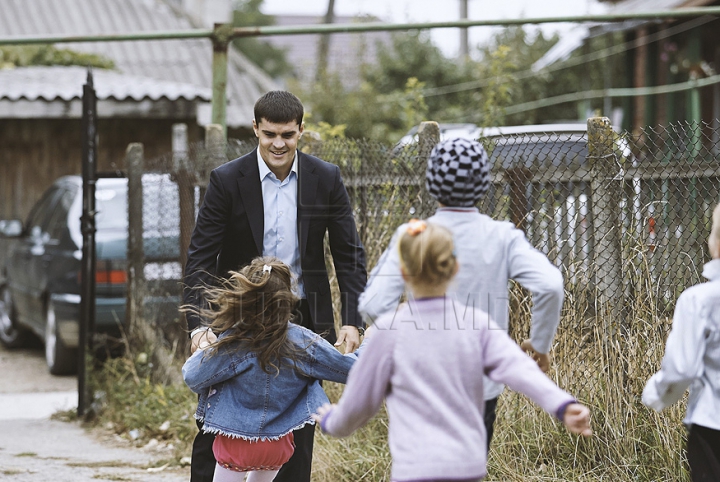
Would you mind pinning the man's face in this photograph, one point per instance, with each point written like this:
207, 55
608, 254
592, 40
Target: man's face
277, 144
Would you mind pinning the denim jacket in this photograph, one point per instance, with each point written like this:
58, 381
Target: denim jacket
238, 399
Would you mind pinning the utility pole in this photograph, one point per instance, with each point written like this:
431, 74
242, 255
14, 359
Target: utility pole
464, 47
324, 44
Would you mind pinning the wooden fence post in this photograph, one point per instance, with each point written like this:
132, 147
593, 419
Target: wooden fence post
517, 178
428, 137
215, 146
606, 196
186, 188
134, 160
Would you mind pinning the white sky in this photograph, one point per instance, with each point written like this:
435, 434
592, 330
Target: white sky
404, 11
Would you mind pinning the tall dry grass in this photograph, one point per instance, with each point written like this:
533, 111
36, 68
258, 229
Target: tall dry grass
602, 354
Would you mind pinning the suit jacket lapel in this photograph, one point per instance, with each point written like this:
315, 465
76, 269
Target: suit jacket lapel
251, 193
307, 189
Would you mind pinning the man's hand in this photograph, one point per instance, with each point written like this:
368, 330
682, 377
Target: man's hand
350, 336
542, 359
202, 340
577, 419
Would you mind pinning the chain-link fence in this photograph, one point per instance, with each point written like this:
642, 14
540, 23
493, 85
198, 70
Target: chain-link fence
625, 217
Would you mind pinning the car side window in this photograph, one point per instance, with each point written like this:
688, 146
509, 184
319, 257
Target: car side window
57, 221
42, 211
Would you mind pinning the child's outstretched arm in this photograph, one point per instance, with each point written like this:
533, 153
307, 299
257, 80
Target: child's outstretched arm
506, 363
366, 388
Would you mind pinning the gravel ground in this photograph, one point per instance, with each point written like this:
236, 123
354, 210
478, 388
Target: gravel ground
34, 448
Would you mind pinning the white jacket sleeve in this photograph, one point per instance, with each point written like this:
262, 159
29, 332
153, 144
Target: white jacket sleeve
385, 285
534, 271
683, 360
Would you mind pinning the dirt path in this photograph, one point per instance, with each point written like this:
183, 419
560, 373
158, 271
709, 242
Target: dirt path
34, 448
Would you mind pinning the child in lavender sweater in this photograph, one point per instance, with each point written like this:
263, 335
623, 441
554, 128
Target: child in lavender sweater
427, 360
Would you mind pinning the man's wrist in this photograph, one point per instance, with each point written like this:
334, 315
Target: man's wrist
360, 329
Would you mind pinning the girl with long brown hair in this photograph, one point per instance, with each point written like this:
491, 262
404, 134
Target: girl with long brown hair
260, 380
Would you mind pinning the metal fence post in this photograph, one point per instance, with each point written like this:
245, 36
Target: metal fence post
134, 160
606, 196
428, 137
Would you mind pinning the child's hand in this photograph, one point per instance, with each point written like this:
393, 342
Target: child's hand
322, 410
577, 419
542, 359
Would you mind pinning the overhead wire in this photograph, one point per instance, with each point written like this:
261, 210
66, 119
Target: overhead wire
580, 60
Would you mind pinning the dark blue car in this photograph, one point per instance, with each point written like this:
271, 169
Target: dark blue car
40, 283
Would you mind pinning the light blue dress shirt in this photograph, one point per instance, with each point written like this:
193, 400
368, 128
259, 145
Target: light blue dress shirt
280, 235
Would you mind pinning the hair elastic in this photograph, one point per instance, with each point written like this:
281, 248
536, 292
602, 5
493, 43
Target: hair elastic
267, 268
416, 226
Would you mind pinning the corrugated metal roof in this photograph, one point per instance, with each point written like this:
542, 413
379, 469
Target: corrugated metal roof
66, 83
629, 6
188, 61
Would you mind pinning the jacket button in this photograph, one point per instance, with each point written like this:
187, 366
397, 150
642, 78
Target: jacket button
213, 392
208, 405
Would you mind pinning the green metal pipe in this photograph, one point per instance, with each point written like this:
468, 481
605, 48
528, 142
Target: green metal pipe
219, 86
358, 27
220, 39
622, 92
52, 39
377, 26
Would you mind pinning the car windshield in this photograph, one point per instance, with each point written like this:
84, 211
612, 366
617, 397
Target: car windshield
111, 206
160, 207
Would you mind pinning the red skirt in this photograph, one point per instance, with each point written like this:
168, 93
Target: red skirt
243, 455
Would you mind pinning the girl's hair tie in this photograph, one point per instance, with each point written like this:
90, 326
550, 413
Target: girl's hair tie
267, 268
416, 226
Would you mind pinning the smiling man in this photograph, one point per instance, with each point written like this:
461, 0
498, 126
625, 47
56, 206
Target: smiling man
277, 201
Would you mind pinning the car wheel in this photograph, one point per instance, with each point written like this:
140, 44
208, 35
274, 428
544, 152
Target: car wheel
11, 335
60, 359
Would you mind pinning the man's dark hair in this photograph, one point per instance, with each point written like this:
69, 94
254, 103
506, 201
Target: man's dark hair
279, 107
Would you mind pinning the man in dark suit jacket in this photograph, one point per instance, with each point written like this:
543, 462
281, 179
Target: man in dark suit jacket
277, 201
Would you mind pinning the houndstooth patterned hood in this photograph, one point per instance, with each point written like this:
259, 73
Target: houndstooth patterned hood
458, 172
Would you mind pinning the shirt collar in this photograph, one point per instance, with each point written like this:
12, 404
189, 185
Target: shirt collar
265, 170
457, 209
711, 270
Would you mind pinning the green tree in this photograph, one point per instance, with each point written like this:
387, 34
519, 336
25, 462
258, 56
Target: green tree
413, 55
27, 55
505, 76
364, 112
271, 59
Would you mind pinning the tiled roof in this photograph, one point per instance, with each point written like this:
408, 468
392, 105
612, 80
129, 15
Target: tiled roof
66, 83
187, 61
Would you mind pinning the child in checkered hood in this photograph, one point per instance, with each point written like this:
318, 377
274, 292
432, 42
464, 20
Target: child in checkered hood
490, 253
424, 361
259, 380
692, 360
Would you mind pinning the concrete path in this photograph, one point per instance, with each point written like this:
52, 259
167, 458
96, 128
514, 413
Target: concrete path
34, 448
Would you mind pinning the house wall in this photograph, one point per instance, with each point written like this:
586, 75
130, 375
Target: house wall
33, 153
